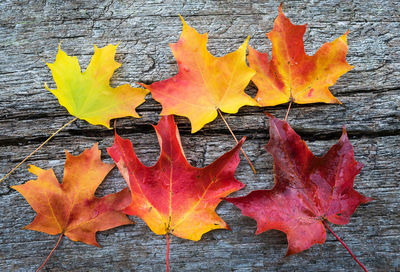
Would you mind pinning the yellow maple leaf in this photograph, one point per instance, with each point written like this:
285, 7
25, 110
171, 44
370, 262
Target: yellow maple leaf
88, 95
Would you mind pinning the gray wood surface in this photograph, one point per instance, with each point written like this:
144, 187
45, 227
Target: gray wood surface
30, 32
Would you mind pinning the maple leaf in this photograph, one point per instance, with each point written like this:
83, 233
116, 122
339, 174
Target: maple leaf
308, 189
204, 83
71, 208
292, 75
88, 95
172, 196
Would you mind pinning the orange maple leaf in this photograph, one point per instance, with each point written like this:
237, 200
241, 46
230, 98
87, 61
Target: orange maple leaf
172, 196
204, 83
292, 75
71, 208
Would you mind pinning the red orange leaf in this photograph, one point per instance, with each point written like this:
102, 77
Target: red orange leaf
172, 196
292, 75
308, 189
204, 83
88, 95
71, 207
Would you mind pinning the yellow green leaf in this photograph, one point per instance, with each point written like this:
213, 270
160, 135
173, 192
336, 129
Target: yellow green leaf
88, 95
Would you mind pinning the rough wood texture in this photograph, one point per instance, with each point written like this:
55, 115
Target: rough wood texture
30, 32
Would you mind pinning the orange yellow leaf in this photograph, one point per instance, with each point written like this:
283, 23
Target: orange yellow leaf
88, 95
204, 83
292, 75
172, 196
71, 207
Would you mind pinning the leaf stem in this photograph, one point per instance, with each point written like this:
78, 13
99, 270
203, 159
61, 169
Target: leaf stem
37, 149
167, 252
287, 113
234, 137
48, 257
348, 249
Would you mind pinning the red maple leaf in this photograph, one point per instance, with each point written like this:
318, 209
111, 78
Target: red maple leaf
172, 196
308, 190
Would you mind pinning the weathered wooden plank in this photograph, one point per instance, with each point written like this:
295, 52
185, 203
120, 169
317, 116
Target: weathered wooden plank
146, 29
374, 113
30, 32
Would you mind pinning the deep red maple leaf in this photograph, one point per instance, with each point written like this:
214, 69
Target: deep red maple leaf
308, 189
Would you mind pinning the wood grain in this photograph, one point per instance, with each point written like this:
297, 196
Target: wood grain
30, 32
